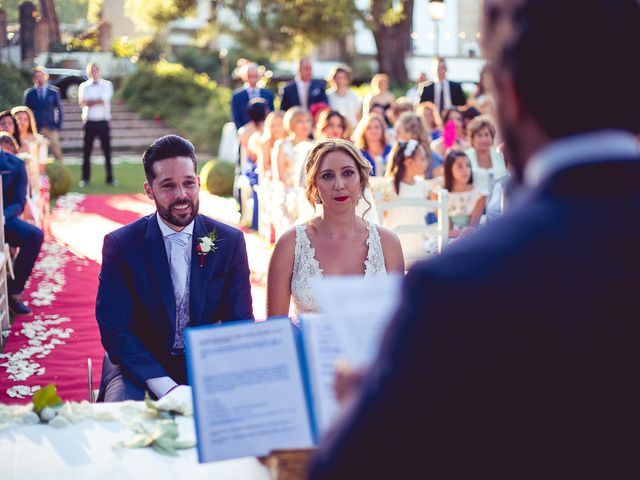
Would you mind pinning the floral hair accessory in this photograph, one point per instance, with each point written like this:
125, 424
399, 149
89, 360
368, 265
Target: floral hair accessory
410, 148
206, 245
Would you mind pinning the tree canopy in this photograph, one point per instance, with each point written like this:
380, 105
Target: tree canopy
69, 11
283, 27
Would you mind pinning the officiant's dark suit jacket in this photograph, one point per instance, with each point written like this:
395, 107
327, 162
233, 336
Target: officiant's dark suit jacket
135, 307
512, 354
316, 94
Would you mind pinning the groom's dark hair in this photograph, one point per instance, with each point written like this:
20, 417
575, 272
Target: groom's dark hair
165, 147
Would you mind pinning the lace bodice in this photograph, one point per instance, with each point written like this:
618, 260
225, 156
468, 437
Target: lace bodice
306, 267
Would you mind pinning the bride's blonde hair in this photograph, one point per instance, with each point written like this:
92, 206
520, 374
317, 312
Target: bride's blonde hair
315, 157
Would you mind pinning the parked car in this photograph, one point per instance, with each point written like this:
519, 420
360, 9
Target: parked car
67, 80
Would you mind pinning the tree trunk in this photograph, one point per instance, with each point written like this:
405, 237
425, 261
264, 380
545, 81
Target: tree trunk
393, 41
50, 16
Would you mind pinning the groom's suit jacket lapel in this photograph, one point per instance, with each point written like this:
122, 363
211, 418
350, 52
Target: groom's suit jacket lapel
156, 257
199, 275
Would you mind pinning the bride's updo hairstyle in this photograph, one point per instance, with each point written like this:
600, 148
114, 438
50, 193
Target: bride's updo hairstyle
315, 157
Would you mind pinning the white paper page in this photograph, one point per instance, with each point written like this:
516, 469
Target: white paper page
248, 392
323, 349
359, 309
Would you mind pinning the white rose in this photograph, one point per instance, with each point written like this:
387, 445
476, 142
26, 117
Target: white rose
206, 244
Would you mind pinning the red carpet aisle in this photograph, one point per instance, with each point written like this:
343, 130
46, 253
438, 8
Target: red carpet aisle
54, 344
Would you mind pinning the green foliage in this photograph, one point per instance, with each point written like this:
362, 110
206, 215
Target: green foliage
283, 26
69, 11
130, 175
157, 13
217, 176
77, 44
59, 178
94, 8
200, 60
124, 47
393, 15
146, 49
150, 49
13, 82
204, 61
190, 102
166, 89
46, 397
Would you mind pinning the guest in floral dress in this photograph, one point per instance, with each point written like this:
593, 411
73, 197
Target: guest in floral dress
466, 201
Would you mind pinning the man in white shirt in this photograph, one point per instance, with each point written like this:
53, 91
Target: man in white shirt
94, 96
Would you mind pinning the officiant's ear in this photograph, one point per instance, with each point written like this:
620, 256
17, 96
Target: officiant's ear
147, 190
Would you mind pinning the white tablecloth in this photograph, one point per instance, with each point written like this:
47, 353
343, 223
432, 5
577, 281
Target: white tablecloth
85, 451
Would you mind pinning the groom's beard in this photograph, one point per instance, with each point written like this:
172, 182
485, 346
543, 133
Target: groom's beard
177, 218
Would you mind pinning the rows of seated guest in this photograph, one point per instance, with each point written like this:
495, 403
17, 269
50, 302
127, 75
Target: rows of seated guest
276, 150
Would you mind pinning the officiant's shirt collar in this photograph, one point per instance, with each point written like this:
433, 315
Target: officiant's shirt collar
166, 230
599, 146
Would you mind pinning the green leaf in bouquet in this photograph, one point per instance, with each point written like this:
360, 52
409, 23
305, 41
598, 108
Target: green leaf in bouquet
165, 446
46, 397
165, 435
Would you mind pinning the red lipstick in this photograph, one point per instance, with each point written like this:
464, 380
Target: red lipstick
341, 199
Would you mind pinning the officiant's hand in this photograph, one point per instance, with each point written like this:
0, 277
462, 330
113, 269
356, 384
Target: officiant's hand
347, 381
178, 399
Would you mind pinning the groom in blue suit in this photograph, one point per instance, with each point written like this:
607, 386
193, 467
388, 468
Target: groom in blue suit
162, 273
514, 354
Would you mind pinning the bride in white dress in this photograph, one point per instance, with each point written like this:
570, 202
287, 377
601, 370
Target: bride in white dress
337, 242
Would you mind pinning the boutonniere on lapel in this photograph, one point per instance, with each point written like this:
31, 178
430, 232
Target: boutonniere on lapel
206, 245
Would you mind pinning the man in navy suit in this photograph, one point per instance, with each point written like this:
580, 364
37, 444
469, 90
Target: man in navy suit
444, 93
303, 91
44, 100
18, 233
513, 354
163, 273
249, 91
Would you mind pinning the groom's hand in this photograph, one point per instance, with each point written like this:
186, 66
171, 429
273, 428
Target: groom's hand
178, 399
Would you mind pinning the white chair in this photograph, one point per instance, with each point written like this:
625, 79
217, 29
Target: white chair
229, 145
439, 230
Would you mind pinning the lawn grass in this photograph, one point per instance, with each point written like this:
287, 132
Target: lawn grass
129, 175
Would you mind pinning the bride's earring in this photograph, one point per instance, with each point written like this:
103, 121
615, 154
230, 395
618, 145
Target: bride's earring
318, 199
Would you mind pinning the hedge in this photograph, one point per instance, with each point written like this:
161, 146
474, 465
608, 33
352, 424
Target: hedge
217, 177
186, 101
13, 83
